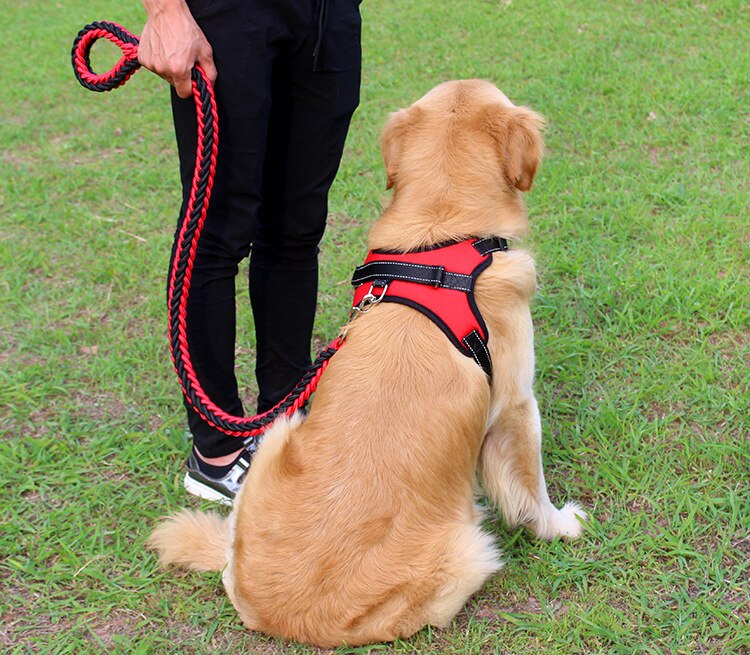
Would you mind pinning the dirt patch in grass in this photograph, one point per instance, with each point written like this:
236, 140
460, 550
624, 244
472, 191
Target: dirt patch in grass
341, 221
20, 624
98, 406
742, 544
11, 357
491, 609
119, 623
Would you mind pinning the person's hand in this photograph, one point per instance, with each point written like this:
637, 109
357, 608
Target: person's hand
172, 43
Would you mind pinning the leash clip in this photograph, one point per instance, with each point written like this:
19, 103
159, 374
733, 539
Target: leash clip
369, 300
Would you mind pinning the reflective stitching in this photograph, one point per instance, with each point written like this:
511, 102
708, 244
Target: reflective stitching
393, 276
389, 262
408, 278
363, 277
489, 358
474, 352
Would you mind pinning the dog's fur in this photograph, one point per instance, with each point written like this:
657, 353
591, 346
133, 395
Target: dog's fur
358, 524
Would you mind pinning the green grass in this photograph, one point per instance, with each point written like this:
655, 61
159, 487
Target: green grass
641, 231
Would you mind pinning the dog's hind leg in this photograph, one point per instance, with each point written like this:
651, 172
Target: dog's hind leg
247, 614
470, 557
455, 566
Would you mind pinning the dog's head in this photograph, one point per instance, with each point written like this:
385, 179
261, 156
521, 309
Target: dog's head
463, 144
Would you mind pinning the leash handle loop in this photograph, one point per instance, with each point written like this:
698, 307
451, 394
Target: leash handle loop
122, 70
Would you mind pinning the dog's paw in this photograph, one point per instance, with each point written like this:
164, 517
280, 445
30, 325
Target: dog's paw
566, 522
570, 520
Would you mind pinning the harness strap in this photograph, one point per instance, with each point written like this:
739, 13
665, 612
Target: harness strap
474, 342
490, 245
435, 276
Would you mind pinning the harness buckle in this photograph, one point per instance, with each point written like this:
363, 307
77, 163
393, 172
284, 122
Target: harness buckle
439, 277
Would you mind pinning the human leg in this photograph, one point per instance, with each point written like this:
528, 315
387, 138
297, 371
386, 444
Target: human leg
309, 121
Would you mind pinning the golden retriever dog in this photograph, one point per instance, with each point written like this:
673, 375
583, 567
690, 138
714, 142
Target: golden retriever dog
357, 524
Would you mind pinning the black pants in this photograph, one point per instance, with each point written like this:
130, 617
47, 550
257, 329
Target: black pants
288, 84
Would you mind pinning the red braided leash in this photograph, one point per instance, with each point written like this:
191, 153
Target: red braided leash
191, 224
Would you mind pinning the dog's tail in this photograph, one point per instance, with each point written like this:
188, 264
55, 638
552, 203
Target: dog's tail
195, 540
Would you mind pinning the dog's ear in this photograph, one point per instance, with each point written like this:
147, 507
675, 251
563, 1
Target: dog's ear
518, 134
391, 141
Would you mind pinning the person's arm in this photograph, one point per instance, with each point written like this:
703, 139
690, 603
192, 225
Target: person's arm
172, 43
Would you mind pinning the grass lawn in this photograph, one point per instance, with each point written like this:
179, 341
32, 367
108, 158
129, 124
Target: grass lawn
641, 229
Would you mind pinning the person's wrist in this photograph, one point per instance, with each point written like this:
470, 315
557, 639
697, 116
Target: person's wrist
157, 8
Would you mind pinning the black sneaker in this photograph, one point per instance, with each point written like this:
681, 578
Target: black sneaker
223, 489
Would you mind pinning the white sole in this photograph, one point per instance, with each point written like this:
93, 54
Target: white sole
195, 488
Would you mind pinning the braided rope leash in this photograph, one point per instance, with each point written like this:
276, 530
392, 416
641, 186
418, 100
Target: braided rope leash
191, 224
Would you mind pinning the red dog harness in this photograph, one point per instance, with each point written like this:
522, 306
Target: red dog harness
439, 282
